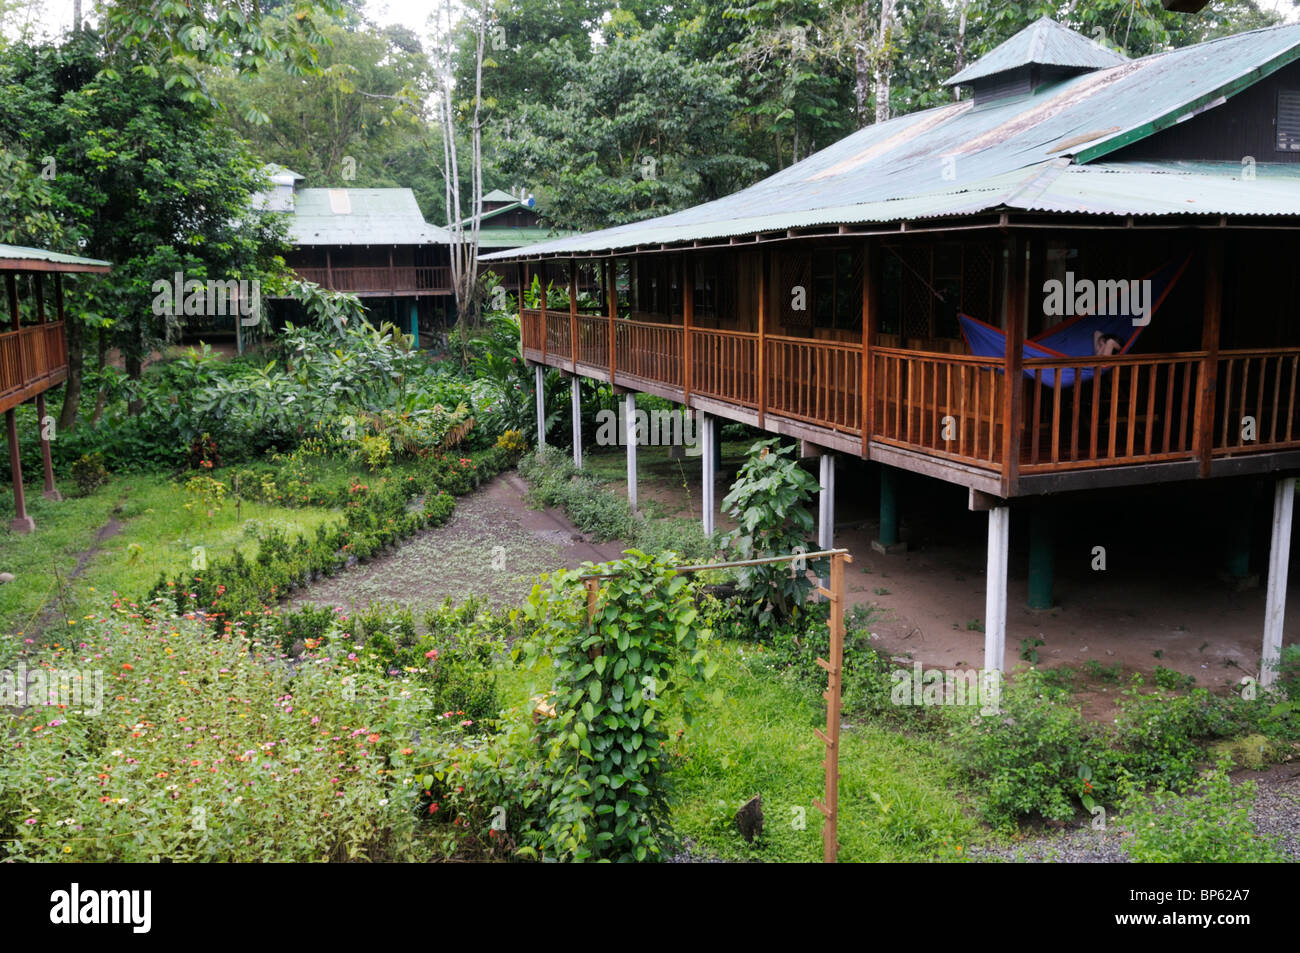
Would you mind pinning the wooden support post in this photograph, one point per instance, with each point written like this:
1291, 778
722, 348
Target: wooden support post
763, 264
613, 317
833, 667
573, 294
1212, 312
539, 391
22, 523
633, 435
870, 312
889, 541
708, 430
50, 492
1042, 554
39, 289
11, 284
1279, 557
575, 400
1013, 389
329, 271
995, 596
688, 321
392, 275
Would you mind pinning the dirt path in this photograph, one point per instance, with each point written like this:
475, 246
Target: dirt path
51, 611
493, 546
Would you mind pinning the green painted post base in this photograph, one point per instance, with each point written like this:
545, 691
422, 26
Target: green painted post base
415, 326
1042, 556
1236, 558
888, 540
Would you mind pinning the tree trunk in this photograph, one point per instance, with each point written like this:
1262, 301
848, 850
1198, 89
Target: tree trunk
133, 357
102, 397
862, 68
74, 331
76, 16
961, 46
882, 59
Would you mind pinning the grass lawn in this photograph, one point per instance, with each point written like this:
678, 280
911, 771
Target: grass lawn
901, 799
156, 533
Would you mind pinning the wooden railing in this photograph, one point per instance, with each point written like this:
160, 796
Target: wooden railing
1075, 413
724, 365
1105, 411
949, 405
31, 355
1256, 401
816, 381
412, 279
532, 329
593, 340
558, 334
650, 351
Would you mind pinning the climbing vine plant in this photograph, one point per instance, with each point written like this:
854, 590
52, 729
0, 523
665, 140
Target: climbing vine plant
769, 501
616, 678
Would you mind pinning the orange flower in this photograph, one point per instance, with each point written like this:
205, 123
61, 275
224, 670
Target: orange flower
408, 751
128, 666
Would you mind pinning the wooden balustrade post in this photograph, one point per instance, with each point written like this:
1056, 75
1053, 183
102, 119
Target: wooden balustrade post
1212, 312
870, 298
613, 316
764, 263
688, 319
1013, 418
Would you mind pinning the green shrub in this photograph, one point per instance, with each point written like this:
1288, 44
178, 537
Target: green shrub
1029, 757
1157, 735
89, 473
768, 502
1210, 825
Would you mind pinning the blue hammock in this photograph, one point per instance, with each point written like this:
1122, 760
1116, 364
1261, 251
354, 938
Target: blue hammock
1073, 337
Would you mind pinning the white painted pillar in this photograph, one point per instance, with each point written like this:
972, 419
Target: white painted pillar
826, 503
539, 377
633, 436
1279, 557
995, 594
709, 434
575, 396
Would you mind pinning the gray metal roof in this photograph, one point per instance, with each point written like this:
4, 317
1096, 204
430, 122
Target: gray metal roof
14, 257
959, 160
1045, 43
360, 217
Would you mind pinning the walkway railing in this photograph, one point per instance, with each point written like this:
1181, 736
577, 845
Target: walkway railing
1070, 413
31, 356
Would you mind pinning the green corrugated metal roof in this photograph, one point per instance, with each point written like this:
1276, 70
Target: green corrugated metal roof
517, 237
958, 160
360, 217
1046, 43
499, 195
23, 253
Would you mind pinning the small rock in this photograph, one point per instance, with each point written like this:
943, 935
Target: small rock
750, 818
6, 577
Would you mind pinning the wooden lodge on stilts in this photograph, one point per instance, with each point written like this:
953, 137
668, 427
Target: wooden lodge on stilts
34, 351
1081, 274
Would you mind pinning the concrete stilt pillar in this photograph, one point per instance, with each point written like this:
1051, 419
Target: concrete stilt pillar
575, 399
633, 437
888, 541
826, 503
708, 432
1042, 555
51, 493
995, 593
22, 523
1279, 557
539, 390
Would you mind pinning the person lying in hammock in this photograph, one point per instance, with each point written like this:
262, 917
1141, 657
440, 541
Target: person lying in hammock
1104, 345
